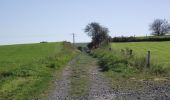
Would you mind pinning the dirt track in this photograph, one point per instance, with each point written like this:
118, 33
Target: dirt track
62, 85
99, 87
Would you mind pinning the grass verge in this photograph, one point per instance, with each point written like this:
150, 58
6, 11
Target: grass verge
79, 78
26, 70
128, 66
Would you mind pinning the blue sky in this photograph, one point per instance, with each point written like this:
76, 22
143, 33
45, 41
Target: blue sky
29, 21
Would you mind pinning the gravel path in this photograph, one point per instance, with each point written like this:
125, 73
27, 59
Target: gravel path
152, 91
100, 88
62, 86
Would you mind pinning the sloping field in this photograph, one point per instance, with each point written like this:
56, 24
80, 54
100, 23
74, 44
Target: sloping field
160, 51
25, 70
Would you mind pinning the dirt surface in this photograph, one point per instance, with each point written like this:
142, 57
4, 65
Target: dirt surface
62, 85
99, 87
152, 91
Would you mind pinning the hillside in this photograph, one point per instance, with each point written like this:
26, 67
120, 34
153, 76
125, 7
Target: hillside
27, 69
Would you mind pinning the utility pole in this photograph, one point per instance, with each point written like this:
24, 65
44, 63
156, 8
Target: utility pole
73, 39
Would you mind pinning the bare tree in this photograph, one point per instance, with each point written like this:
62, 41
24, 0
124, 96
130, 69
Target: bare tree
160, 27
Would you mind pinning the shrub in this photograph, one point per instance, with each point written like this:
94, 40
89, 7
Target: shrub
109, 60
158, 70
80, 48
139, 63
6, 74
51, 65
43, 42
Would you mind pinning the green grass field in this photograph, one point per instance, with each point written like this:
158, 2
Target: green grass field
160, 51
26, 70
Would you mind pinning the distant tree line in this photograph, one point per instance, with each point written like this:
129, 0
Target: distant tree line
140, 39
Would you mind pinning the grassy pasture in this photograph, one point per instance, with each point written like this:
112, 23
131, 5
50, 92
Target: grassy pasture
25, 70
160, 51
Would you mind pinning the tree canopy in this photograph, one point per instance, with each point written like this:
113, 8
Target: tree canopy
160, 27
97, 32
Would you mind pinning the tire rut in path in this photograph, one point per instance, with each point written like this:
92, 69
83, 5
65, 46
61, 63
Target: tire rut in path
62, 85
100, 88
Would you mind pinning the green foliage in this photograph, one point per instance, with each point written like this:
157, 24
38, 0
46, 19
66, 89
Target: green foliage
80, 48
141, 39
160, 70
79, 78
126, 65
98, 34
140, 63
26, 70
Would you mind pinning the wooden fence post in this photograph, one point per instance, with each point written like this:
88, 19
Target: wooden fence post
149, 57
